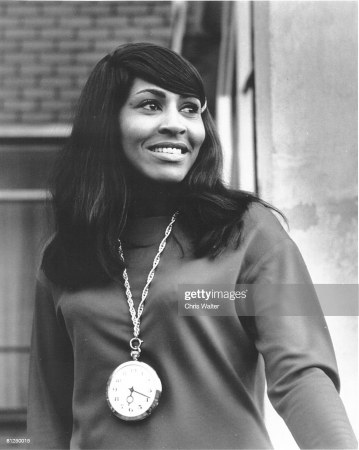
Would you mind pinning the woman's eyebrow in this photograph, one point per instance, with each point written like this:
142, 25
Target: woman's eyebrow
153, 91
162, 94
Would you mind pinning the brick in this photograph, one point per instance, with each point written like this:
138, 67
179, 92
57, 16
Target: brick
76, 22
130, 3
65, 116
30, 94
59, 82
50, 104
12, 81
71, 94
164, 7
76, 45
8, 22
114, 21
12, 105
36, 45
81, 80
16, 9
35, 70
159, 41
71, 70
52, 58
10, 45
21, 58
159, 33
43, 21
19, 33
7, 70
108, 46
36, 117
130, 33
94, 8
94, 34
9, 93
62, 8
7, 117
3, 9
12, 78
89, 57
150, 21
60, 33
133, 8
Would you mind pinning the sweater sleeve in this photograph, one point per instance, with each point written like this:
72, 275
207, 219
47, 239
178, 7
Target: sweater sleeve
50, 376
301, 370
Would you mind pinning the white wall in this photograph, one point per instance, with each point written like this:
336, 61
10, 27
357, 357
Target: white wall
306, 101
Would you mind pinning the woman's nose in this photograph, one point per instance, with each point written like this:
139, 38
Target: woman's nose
171, 122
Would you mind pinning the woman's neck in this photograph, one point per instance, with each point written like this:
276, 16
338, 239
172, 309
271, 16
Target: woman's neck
151, 199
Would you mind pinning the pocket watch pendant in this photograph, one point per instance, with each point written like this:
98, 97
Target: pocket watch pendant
135, 344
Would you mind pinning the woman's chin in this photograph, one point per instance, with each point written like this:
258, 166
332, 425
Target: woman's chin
168, 178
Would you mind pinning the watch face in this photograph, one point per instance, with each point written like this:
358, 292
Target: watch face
133, 390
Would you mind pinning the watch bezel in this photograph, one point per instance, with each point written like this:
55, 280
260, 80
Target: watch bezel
154, 404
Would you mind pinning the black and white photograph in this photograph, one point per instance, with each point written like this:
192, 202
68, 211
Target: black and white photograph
178, 225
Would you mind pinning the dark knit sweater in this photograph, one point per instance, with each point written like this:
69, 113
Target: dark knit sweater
213, 369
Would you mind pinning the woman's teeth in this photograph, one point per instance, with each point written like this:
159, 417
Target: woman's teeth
173, 151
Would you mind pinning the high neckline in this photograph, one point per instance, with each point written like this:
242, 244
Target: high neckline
145, 230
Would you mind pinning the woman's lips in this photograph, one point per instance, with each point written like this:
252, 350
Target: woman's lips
169, 148
170, 154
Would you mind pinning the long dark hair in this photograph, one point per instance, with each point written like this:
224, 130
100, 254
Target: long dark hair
90, 194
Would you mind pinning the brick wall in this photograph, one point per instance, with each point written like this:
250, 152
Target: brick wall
48, 49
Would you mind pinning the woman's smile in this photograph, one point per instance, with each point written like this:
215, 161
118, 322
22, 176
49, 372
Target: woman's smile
161, 132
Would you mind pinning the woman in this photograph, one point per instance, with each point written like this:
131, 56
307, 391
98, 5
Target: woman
143, 167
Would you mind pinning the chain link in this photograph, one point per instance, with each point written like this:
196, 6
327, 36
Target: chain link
136, 317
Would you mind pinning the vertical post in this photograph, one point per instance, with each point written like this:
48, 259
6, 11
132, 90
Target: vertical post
179, 16
224, 90
263, 105
245, 172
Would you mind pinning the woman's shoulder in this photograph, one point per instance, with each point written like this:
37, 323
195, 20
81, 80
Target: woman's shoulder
264, 218
267, 249
263, 230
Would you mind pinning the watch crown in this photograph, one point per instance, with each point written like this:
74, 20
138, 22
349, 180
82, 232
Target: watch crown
135, 354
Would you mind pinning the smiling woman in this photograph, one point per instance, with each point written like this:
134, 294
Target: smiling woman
161, 132
140, 208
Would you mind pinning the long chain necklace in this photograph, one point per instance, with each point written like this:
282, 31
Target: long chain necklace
134, 388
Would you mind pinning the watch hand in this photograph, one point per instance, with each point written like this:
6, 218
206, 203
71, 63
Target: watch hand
139, 393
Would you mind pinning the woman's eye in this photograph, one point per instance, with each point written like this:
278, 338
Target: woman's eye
150, 105
191, 108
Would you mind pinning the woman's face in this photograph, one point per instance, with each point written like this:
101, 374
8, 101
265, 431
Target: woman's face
161, 132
